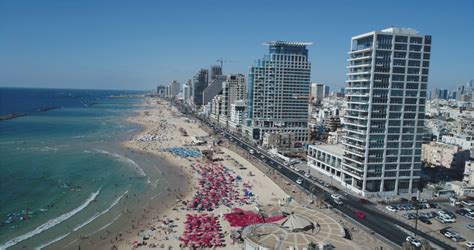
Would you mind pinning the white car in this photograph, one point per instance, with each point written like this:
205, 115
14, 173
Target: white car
470, 244
307, 175
470, 215
338, 202
391, 209
413, 241
299, 181
335, 196
297, 169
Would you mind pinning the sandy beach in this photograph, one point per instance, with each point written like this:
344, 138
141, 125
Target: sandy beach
163, 127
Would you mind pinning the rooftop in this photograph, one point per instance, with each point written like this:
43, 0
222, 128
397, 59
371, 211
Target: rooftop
335, 149
276, 43
404, 31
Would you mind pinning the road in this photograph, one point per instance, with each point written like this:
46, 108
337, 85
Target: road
380, 223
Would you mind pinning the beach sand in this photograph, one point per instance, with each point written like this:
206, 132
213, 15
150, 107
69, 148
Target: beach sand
163, 121
161, 129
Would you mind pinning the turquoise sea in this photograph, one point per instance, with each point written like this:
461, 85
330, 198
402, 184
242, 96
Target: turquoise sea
63, 173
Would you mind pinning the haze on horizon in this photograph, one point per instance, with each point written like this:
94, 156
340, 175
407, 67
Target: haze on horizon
139, 45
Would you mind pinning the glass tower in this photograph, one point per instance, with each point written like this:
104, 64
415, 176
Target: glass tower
278, 89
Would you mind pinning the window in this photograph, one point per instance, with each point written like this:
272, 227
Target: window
414, 56
400, 47
426, 64
426, 56
427, 49
416, 40
425, 71
401, 39
414, 63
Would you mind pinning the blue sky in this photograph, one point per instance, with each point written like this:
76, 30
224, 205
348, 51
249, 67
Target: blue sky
140, 44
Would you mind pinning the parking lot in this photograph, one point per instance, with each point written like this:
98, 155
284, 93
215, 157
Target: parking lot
442, 221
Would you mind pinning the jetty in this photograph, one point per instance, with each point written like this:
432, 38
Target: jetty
11, 116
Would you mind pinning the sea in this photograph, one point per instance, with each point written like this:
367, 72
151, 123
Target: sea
64, 175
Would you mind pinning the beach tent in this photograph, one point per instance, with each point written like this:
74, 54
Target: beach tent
297, 223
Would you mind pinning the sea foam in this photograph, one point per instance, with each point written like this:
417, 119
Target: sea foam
116, 201
51, 223
124, 159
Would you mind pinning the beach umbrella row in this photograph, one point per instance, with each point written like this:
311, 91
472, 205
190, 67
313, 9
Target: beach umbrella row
201, 230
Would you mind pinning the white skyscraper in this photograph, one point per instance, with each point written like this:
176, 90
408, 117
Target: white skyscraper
384, 122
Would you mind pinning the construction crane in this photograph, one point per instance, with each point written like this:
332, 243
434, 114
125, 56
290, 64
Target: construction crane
222, 61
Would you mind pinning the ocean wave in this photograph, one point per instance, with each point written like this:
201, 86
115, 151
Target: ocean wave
106, 225
124, 159
52, 241
51, 223
78, 136
116, 201
47, 149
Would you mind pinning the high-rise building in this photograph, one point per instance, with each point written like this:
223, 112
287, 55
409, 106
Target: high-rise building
278, 90
215, 71
173, 89
233, 89
200, 82
319, 91
187, 91
213, 89
384, 122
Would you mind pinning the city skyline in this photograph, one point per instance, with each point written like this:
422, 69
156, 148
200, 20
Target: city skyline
129, 46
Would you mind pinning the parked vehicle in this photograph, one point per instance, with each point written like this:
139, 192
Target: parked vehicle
470, 226
425, 220
391, 209
470, 244
457, 238
307, 175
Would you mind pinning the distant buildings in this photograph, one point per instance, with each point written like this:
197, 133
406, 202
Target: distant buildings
278, 92
319, 91
384, 120
215, 71
213, 89
468, 175
200, 82
437, 154
233, 89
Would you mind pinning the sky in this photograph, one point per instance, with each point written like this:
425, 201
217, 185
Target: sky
118, 44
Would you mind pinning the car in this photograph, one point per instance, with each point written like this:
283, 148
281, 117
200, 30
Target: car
363, 201
359, 215
338, 202
391, 209
462, 211
307, 175
470, 244
451, 234
409, 216
470, 226
413, 241
457, 238
335, 196
297, 169
299, 181
468, 203
425, 220
470, 215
